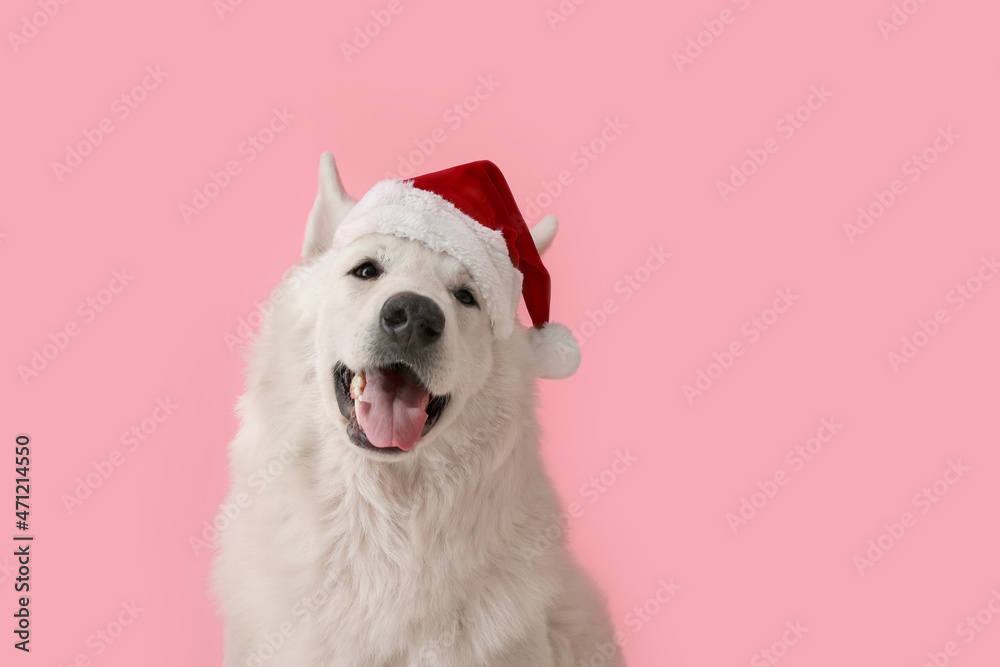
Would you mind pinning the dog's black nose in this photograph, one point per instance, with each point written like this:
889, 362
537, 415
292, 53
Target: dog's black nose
412, 321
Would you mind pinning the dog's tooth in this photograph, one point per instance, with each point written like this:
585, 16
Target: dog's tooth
358, 385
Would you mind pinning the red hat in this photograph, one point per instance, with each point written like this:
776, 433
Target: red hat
479, 190
469, 213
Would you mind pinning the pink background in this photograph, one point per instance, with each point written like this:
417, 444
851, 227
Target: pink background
656, 184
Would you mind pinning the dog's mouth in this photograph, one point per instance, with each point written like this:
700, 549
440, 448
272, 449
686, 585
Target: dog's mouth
388, 408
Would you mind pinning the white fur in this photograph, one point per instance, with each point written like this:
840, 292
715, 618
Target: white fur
443, 555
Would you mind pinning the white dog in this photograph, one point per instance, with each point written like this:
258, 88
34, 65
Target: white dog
393, 501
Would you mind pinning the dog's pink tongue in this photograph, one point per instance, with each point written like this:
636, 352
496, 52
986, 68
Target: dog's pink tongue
392, 410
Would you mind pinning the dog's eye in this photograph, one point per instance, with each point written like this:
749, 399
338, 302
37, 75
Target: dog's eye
366, 271
465, 297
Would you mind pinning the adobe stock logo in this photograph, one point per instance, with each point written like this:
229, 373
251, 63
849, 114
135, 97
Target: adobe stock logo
562, 12
642, 615
223, 7
714, 27
121, 107
786, 126
779, 648
797, 457
104, 468
292, 279
898, 17
968, 630
593, 489
581, 158
927, 329
249, 149
233, 507
37, 21
923, 500
752, 329
381, 18
914, 167
300, 612
454, 116
59, 340
99, 641
627, 287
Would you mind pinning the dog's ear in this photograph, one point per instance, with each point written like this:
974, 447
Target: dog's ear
332, 204
544, 232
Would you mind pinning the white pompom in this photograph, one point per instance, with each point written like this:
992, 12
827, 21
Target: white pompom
556, 352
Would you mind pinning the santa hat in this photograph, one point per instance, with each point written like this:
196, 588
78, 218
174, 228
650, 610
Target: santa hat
469, 212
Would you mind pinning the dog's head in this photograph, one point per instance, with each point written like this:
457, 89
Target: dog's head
404, 338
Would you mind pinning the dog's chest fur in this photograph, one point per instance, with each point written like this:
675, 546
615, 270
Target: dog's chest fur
416, 565
376, 564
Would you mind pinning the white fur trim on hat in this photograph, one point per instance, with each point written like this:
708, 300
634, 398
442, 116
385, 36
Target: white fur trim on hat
397, 208
555, 351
